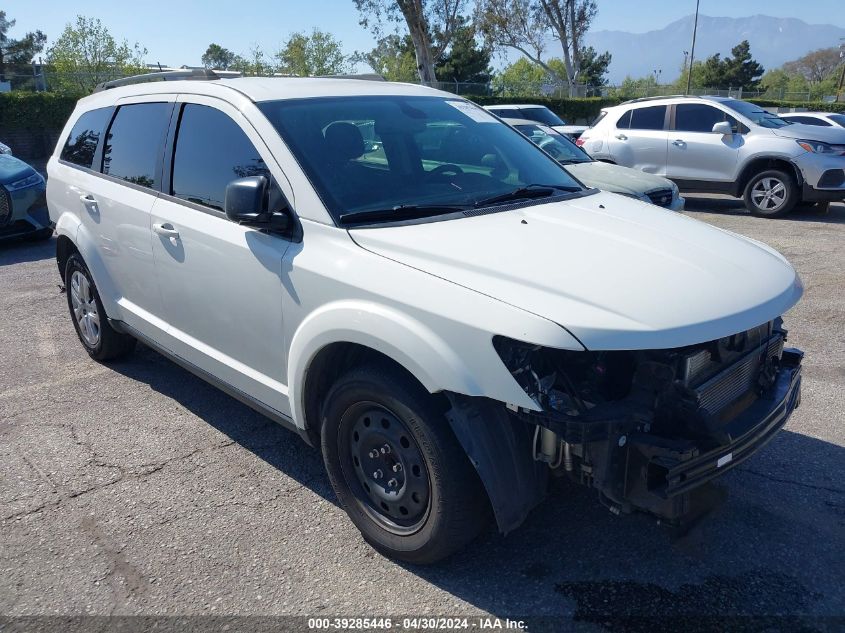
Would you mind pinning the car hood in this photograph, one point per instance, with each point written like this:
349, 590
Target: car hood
832, 135
13, 169
615, 178
617, 273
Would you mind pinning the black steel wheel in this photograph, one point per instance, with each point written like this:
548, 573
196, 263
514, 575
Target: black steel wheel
397, 468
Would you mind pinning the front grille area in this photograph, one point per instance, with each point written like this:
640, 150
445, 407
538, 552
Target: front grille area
738, 378
660, 197
5, 206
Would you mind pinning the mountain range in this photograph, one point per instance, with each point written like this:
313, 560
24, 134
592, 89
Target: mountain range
773, 42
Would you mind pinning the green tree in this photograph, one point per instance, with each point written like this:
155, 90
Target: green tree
217, 57
314, 54
393, 58
86, 54
466, 61
816, 66
255, 63
740, 69
16, 54
594, 67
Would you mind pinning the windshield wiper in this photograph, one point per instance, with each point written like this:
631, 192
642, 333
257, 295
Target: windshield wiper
524, 193
401, 212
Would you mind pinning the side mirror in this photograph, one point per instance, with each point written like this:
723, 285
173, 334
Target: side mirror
246, 203
723, 128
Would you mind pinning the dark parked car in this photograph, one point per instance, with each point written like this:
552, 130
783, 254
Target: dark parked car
23, 204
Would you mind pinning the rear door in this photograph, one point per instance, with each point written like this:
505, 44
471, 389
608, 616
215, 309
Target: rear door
696, 153
221, 283
117, 203
640, 139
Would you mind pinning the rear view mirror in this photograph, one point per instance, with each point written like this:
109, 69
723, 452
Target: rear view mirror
723, 128
246, 203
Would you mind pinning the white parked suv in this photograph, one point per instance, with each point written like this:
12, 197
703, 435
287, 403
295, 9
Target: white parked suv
442, 309
721, 145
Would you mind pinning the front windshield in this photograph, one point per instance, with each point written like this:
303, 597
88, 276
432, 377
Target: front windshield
394, 153
756, 114
542, 115
561, 148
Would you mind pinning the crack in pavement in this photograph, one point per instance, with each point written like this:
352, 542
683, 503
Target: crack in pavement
790, 481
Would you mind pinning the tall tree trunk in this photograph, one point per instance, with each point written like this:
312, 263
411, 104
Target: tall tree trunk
412, 11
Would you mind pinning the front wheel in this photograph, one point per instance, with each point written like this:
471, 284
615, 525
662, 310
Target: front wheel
397, 468
771, 194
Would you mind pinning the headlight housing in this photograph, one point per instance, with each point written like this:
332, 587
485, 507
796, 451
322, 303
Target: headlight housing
818, 147
23, 183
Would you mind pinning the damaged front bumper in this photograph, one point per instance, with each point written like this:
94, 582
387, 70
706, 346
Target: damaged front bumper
635, 469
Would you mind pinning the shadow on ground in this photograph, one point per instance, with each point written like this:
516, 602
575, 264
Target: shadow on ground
780, 530
21, 250
732, 206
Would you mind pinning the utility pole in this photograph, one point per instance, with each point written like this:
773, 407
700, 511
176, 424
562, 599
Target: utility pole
842, 74
692, 49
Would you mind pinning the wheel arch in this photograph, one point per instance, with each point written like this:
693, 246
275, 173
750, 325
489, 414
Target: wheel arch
763, 163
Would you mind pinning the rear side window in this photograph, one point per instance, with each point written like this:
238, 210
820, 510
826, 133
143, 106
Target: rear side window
650, 118
82, 142
134, 143
601, 115
211, 151
807, 120
507, 113
624, 121
697, 117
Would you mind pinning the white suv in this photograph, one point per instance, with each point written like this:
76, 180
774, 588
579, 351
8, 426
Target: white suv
442, 308
721, 145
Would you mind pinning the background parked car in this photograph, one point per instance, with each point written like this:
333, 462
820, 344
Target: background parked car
623, 180
23, 205
538, 113
723, 145
5, 149
822, 119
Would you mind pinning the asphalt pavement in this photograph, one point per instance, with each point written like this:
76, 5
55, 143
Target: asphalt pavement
135, 488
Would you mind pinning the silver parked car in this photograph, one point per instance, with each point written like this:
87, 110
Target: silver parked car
722, 145
821, 119
622, 180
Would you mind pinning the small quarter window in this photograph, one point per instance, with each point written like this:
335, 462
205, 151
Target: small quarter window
82, 142
624, 121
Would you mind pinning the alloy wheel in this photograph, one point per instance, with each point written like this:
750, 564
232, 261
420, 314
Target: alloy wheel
769, 194
85, 308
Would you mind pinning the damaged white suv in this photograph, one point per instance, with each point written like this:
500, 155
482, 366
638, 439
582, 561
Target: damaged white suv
414, 287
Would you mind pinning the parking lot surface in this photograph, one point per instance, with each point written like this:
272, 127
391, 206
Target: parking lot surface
136, 488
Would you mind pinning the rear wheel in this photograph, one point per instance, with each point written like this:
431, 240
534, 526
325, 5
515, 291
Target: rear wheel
98, 337
397, 468
771, 194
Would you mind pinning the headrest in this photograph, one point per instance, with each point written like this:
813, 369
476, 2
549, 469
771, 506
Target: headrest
344, 141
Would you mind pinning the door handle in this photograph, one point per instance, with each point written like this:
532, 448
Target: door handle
166, 230
87, 199
679, 142
622, 137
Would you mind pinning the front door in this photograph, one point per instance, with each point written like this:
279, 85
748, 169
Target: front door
221, 283
696, 152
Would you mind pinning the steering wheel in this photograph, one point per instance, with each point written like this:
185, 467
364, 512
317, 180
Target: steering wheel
447, 169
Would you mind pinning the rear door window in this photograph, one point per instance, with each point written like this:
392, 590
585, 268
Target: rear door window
211, 151
81, 145
806, 120
650, 118
624, 121
133, 147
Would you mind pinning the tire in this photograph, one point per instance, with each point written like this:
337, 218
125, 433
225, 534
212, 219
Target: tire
435, 504
98, 337
771, 194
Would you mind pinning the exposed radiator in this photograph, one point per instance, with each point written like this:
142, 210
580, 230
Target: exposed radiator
739, 378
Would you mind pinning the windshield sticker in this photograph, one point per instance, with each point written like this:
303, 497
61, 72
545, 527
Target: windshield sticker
473, 112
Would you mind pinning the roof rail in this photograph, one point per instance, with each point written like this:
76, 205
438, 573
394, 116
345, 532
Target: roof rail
361, 76
641, 99
168, 75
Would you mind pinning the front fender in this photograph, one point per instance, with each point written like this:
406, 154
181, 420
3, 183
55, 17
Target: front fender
429, 357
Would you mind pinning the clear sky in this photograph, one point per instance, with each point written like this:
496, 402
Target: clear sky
177, 33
